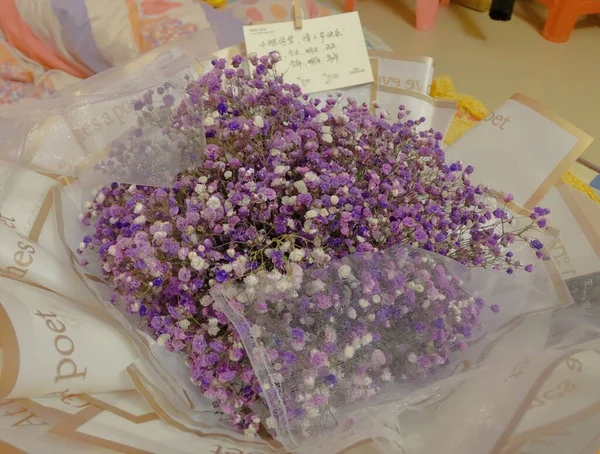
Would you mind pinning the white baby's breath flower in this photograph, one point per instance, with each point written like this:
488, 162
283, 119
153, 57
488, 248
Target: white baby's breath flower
311, 176
419, 288
344, 272
100, 197
256, 331
309, 381
82, 246
87, 205
363, 303
227, 174
327, 138
163, 338
280, 170
270, 422
334, 199
349, 351
213, 202
351, 312
319, 255
141, 219
288, 200
251, 280
297, 255
376, 299
160, 234
283, 285
209, 121
258, 121
322, 117
367, 339
184, 324
310, 214
386, 375
426, 304
301, 187
371, 317
412, 358
213, 330
112, 250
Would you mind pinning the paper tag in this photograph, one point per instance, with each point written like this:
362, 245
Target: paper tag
577, 250
521, 148
325, 54
408, 73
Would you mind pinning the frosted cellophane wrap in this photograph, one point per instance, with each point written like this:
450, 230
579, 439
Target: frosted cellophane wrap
113, 126
333, 346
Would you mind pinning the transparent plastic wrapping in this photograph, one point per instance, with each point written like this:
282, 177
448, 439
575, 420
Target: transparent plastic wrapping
397, 350
331, 342
115, 126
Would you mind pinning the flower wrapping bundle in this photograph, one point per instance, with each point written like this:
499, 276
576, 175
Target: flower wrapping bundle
346, 301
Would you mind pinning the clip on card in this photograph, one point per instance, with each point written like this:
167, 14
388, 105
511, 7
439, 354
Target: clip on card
297, 14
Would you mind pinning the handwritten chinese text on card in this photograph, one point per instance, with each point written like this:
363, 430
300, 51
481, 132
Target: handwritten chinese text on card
327, 53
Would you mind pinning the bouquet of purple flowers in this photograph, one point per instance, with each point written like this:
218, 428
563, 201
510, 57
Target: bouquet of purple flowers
311, 256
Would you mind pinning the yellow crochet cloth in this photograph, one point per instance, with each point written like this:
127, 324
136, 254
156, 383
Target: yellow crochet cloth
470, 111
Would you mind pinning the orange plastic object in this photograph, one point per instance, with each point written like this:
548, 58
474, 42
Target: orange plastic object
563, 15
426, 10
349, 5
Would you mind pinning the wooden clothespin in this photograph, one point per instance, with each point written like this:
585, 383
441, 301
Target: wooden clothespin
297, 14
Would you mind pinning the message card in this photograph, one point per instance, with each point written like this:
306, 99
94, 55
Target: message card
327, 53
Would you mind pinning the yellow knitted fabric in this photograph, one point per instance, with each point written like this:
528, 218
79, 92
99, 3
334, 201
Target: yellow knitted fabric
470, 110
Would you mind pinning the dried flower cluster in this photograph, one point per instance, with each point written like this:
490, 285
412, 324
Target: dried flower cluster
286, 182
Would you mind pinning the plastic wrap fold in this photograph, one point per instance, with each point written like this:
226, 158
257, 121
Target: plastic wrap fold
349, 356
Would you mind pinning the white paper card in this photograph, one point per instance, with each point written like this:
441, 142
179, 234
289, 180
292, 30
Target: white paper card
575, 253
413, 74
325, 54
521, 148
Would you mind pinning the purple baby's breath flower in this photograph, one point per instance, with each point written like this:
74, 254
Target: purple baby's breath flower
330, 380
221, 276
318, 358
537, 244
287, 184
168, 100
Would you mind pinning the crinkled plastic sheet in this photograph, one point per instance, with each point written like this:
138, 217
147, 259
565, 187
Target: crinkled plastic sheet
92, 130
464, 404
342, 353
